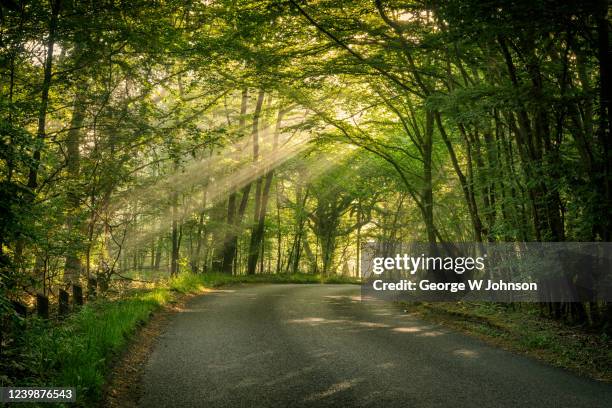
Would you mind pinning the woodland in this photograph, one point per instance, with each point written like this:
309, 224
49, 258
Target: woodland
144, 139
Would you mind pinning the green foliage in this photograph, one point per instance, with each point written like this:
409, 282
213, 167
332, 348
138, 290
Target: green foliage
148, 139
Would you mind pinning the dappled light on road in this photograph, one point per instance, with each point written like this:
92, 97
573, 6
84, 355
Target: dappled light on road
317, 345
334, 388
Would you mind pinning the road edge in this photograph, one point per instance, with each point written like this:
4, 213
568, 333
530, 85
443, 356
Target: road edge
123, 385
499, 335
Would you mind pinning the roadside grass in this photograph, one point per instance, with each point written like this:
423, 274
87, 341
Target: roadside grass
76, 351
521, 329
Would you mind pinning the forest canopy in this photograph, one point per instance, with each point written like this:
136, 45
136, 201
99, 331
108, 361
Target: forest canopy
279, 136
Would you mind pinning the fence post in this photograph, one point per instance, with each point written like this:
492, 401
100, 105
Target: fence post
64, 306
77, 295
42, 306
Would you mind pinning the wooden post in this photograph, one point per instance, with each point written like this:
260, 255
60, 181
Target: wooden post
42, 306
77, 295
64, 306
92, 285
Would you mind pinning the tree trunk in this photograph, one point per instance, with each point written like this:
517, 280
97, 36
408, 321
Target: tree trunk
469, 198
230, 241
427, 178
174, 252
72, 267
605, 114
246, 190
257, 234
41, 132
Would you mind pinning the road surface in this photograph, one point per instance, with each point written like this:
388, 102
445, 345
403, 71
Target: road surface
319, 345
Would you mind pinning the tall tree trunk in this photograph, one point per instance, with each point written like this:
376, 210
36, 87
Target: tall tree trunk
41, 133
230, 241
72, 267
200, 236
255, 134
293, 261
605, 128
358, 241
469, 198
247, 189
175, 249
175, 243
605, 114
427, 178
257, 234
158, 253
279, 238
229, 244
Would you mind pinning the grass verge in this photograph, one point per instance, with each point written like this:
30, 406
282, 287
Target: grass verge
523, 330
76, 351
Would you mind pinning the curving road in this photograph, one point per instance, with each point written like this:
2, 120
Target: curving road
319, 345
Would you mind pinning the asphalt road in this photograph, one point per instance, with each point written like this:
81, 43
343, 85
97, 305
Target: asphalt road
319, 345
